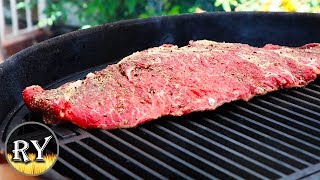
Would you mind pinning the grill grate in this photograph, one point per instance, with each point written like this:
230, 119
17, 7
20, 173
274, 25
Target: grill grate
272, 136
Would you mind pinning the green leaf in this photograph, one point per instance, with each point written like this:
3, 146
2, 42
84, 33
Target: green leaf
174, 10
192, 9
143, 15
21, 5
226, 6
218, 3
131, 5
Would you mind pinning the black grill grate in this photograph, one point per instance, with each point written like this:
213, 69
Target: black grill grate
269, 137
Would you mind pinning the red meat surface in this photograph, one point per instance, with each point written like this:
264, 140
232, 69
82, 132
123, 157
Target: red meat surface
169, 80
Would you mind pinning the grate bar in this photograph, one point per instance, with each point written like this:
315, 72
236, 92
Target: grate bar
312, 94
275, 130
179, 148
297, 106
231, 150
282, 124
267, 136
243, 145
158, 149
147, 155
86, 161
216, 154
127, 157
226, 148
294, 113
315, 86
256, 141
310, 173
310, 91
206, 150
72, 168
306, 96
300, 100
106, 159
281, 133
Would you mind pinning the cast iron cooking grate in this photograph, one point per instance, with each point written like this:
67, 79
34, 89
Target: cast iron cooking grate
270, 137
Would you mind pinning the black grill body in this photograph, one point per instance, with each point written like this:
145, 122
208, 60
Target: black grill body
270, 137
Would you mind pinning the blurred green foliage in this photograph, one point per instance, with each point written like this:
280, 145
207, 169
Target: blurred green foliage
95, 12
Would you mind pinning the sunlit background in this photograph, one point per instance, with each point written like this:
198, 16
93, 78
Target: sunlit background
95, 12
24, 20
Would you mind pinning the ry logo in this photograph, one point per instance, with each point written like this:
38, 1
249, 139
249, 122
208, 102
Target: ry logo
32, 148
25, 147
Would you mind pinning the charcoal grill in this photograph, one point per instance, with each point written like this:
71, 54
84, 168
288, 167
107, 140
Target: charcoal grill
270, 137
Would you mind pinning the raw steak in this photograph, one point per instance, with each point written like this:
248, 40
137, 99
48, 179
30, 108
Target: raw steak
169, 80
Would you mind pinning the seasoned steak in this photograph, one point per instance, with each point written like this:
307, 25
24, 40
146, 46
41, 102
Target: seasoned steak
169, 80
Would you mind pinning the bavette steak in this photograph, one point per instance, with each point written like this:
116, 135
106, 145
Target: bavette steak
169, 80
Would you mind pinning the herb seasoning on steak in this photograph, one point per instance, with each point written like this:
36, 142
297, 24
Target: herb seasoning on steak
169, 80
